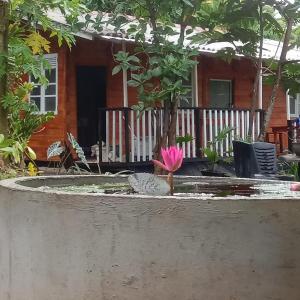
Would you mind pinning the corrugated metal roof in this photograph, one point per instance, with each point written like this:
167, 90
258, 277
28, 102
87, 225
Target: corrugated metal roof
271, 48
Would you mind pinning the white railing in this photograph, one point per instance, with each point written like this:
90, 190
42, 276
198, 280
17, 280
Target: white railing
130, 137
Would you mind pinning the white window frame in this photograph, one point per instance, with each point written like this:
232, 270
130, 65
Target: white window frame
297, 107
53, 60
226, 80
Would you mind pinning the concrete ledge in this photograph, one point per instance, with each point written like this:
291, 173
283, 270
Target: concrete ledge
63, 246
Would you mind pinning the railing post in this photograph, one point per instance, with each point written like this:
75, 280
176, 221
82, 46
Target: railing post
127, 148
291, 137
100, 113
198, 131
262, 120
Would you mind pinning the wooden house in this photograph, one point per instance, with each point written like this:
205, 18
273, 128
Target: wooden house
94, 105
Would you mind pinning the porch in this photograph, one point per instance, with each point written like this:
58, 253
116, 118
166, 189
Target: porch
127, 137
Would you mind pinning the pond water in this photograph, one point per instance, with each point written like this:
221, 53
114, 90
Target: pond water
191, 188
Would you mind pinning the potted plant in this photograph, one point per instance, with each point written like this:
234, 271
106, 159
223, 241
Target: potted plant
212, 155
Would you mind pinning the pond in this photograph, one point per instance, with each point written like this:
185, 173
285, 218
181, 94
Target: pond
202, 187
91, 237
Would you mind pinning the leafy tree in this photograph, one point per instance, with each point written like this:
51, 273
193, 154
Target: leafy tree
24, 26
249, 22
157, 69
284, 72
174, 31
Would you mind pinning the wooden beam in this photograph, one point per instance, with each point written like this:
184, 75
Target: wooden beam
260, 90
125, 88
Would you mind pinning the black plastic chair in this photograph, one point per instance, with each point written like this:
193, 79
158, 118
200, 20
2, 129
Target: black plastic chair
265, 154
257, 160
244, 159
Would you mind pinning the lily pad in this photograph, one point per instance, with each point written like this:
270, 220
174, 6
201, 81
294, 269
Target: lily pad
149, 184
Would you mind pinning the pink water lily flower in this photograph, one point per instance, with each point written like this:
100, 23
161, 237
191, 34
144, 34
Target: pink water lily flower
295, 187
172, 157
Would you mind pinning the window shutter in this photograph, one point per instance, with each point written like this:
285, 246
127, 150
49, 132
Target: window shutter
52, 60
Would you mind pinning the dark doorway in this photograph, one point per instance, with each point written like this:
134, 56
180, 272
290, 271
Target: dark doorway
91, 95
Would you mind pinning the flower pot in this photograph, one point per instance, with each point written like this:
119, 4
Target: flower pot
296, 148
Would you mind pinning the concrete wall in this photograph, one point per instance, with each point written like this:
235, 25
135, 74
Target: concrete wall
90, 247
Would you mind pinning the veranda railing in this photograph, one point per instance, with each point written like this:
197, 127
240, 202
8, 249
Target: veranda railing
127, 136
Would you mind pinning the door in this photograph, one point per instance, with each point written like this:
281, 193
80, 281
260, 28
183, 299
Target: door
91, 95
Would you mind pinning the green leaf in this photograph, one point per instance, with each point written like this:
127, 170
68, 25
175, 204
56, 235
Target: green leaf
156, 72
211, 155
31, 153
78, 149
136, 77
133, 83
134, 58
188, 3
55, 149
116, 69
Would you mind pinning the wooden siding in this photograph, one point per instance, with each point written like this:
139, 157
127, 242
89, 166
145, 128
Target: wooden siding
56, 128
100, 53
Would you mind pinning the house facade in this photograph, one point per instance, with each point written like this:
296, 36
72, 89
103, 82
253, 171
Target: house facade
94, 105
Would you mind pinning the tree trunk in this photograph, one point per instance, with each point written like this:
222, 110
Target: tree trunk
282, 60
258, 73
162, 140
3, 50
172, 126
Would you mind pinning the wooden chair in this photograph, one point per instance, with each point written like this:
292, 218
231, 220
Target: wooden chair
276, 137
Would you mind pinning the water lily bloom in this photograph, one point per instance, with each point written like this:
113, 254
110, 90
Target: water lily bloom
295, 187
172, 157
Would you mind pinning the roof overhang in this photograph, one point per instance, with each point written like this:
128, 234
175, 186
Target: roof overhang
271, 48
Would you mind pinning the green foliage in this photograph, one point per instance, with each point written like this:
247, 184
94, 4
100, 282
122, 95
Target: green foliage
162, 59
29, 20
168, 55
62, 149
184, 139
23, 115
246, 139
20, 59
78, 149
24, 39
36, 12
9, 173
211, 152
10, 149
212, 156
289, 168
161, 79
55, 149
14, 150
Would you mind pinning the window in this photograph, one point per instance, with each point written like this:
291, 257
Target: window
293, 110
220, 93
189, 100
45, 97
294, 106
